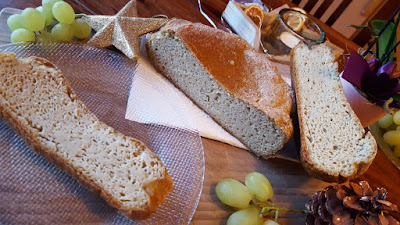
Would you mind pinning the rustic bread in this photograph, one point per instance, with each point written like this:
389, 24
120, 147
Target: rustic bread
334, 145
38, 103
238, 87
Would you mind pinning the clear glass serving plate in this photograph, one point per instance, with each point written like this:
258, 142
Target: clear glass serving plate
378, 132
33, 191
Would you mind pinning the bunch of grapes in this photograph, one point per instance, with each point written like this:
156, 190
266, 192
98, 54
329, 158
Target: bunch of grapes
54, 20
391, 123
253, 199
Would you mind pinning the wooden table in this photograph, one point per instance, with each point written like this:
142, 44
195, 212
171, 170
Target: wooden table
223, 161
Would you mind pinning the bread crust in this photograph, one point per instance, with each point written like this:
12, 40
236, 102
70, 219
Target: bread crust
239, 84
30, 138
232, 68
305, 159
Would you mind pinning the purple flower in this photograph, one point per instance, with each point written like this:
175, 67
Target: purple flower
356, 69
388, 68
375, 81
373, 63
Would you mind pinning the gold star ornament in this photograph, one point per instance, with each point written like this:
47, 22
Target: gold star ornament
122, 30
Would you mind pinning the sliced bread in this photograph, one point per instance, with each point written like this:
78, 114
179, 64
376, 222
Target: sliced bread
221, 73
334, 145
37, 102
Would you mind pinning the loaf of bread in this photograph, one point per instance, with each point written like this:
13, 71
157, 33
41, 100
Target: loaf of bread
37, 102
221, 73
334, 145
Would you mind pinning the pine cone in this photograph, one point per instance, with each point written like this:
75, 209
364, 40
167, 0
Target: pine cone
350, 204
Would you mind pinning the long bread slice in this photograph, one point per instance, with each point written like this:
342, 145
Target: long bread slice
334, 145
37, 102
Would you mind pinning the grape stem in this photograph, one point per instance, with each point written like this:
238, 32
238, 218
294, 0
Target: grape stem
270, 208
80, 15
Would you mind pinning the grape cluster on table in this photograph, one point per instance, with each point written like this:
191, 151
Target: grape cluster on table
391, 124
53, 21
248, 198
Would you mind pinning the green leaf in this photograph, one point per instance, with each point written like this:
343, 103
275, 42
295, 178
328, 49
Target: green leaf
396, 97
384, 39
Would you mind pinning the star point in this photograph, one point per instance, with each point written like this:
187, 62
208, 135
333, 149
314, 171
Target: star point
122, 29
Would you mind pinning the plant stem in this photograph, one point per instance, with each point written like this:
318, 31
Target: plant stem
80, 15
269, 208
357, 26
386, 106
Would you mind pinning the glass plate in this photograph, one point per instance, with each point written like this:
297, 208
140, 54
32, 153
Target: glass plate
5, 32
33, 191
378, 132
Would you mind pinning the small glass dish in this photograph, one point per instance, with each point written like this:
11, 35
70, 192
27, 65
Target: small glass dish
288, 29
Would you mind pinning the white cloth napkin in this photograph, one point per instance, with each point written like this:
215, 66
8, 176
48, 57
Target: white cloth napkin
153, 99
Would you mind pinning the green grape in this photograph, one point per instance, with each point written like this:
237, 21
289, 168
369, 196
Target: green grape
233, 193
81, 29
270, 222
396, 117
249, 216
48, 4
386, 121
391, 127
396, 151
62, 32
63, 12
45, 37
22, 35
392, 137
14, 22
47, 14
32, 19
259, 185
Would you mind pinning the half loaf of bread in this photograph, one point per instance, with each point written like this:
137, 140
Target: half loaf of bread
334, 145
37, 102
220, 72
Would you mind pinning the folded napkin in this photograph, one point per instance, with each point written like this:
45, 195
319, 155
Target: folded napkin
153, 99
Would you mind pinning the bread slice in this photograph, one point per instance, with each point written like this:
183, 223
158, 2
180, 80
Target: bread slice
334, 145
37, 102
238, 87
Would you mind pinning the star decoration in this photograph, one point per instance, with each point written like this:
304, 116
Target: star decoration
122, 30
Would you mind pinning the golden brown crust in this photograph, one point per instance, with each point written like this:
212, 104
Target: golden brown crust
305, 159
237, 67
31, 140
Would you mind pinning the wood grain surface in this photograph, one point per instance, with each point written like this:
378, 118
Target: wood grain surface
291, 184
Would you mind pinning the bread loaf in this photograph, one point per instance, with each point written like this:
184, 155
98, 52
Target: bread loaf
221, 73
38, 103
334, 145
